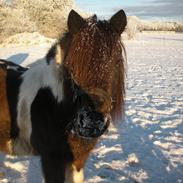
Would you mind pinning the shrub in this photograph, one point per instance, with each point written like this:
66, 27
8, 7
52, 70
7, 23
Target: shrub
162, 26
133, 24
49, 15
12, 21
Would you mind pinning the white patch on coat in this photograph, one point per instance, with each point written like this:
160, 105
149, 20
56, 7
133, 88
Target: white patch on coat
40, 76
73, 176
21, 147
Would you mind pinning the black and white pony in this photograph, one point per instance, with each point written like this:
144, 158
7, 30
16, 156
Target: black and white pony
58, 108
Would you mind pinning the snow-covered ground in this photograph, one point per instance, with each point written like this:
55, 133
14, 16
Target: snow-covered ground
148, 146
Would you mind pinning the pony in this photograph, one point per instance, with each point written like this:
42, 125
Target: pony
9, 75
59, 108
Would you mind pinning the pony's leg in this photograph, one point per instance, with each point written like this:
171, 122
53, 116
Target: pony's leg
20, 147
53, 167
72, 175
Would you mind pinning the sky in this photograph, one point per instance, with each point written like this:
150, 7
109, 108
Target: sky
144, 9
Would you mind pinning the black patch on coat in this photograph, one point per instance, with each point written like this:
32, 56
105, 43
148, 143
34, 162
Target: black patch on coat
51, 53
13, 82
49, 137
50, 120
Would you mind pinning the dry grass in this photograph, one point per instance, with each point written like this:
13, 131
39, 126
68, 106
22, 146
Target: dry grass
13, 21
161, 26
47, 17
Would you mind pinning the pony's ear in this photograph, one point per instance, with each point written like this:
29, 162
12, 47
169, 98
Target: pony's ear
118, 21
75, 22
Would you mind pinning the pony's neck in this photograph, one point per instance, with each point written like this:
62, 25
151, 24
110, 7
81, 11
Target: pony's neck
42, 75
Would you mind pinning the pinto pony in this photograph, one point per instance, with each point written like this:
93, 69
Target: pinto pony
9, 83
62, 105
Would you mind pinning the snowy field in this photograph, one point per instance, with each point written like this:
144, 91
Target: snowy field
148, 147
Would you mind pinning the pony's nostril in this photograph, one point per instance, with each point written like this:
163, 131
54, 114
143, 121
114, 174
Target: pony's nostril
81, 117
84, 119
81, 120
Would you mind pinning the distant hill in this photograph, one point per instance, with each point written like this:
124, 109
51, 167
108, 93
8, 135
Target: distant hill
137, 25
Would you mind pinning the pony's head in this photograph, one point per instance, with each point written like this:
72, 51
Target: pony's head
92, 52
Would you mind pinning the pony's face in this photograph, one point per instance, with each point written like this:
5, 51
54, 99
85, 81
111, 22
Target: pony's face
95, 60
91, 50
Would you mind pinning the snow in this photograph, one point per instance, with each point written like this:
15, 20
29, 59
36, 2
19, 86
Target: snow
26, 39
148, 145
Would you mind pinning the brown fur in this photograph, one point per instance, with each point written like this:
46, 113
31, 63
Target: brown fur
80, 149
95, 61
4, 114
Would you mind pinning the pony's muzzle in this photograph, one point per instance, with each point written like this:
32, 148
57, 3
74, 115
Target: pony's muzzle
90, 124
